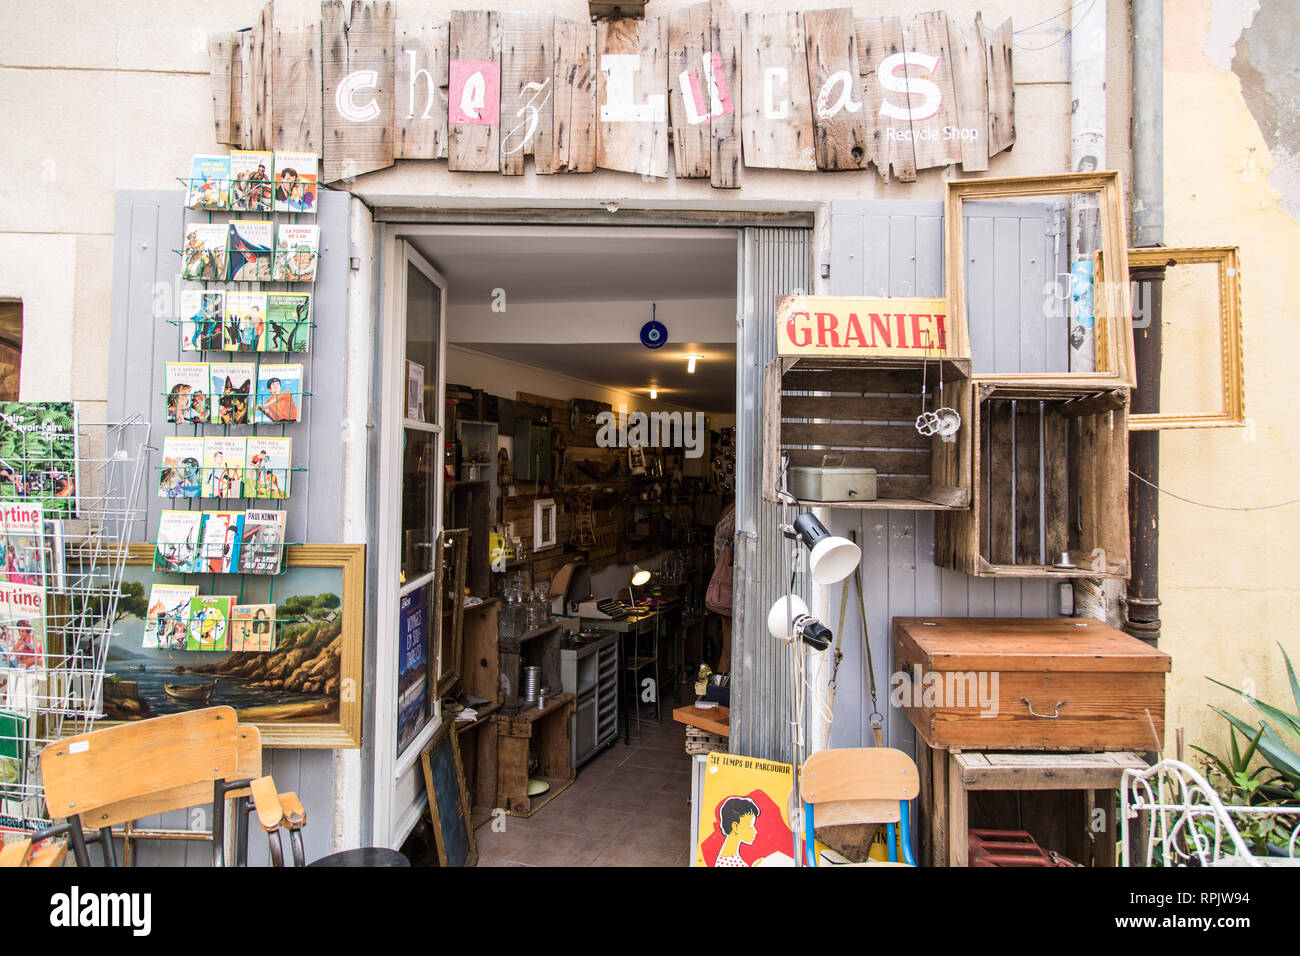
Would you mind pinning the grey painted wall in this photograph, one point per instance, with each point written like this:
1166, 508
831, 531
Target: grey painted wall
148, 231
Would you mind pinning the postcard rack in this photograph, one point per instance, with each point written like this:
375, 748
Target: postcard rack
54, 686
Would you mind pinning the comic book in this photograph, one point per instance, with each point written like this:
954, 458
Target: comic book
168, 616
202, 317
204, 254
22, 544
232, 391
250, 180
296, 249
187, 385
176, 545
39, 455
209, 623
209, 184
22, 627
267, 472
263, 543
249, 244
279, 394
245, 328
219, 551
182, 461
295, 182
288, 321
252, 627
223, 467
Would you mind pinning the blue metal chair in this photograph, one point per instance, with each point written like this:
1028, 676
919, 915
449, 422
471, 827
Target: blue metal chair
860, 785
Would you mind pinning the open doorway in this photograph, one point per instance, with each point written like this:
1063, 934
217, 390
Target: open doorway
589, 424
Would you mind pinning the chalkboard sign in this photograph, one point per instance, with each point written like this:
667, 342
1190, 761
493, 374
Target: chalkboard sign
448, 799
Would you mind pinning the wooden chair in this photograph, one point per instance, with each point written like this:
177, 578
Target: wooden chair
861, 785
98, 780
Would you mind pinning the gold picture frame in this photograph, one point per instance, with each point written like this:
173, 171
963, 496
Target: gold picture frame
1227, 259
1114, 326
340, 723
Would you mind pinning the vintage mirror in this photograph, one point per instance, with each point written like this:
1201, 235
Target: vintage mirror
1025, 248
452, 557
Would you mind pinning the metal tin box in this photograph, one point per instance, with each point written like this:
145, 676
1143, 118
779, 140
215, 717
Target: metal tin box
832, 482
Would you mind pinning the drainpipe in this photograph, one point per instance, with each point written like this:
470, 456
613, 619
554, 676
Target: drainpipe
1142, 618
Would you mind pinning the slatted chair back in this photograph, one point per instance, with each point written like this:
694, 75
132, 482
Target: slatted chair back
139, 769
860, 785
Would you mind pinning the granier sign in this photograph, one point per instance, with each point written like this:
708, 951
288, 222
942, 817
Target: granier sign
851, 327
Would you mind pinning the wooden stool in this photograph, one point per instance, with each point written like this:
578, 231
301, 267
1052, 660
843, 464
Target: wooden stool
948, 777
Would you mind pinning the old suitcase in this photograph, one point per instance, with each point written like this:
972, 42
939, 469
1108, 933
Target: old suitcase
1028, 684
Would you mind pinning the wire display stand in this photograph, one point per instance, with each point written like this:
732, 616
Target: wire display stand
53, 687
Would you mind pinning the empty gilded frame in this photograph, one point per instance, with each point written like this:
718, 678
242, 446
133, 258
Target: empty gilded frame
1114, 329
1232, 387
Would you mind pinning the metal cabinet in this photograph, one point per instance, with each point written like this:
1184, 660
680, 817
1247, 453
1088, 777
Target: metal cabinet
589, 671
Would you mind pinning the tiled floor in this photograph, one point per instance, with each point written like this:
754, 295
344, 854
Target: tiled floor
630, 806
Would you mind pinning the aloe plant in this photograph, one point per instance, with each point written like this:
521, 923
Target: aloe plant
1277, 754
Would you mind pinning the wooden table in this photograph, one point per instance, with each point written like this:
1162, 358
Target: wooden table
948, 777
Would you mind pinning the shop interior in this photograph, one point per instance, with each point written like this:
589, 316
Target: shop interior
590, 459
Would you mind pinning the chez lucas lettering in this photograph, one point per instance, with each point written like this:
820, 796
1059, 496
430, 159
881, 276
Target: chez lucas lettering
894, 330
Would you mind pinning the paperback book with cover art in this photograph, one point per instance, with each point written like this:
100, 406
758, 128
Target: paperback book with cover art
168, 616
209, 183
223, 467
22, 544
250, 180
279, 394
182, 462
187, 385
263, 543
39, 455
288, 321
295, 182
202, 319
177, 543
204, 254
222, 532
252, 627
209, 622
13, 753
245, 329
296, 250
248, 250
22, 626
267, 470
232, 392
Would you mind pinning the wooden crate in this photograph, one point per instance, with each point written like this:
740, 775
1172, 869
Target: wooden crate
547, 734
1030, 684
866, 411
1051, 476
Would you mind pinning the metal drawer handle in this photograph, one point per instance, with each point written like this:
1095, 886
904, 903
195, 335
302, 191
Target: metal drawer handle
1056, 712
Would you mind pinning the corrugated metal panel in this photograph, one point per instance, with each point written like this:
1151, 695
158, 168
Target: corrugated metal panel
890, 248
772, 262
148, 229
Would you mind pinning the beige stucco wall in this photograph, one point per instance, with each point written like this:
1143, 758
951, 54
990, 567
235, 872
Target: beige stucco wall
1228, 578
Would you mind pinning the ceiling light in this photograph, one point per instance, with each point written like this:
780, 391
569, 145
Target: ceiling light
654, 392
691, 359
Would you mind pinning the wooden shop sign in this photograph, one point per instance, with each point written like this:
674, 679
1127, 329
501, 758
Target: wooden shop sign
852, 327
713, 89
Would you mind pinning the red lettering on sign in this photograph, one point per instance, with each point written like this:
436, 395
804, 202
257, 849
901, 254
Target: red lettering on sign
899, 320
853, 334
880, 331
826, 334
799, 336
940, 332
920, 337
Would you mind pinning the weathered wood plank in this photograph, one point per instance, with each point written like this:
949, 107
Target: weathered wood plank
632, 90
219, 47
474, 131
776, 109
334, 67
1001, 85
878, 39
264, 50
364, 44
1028, 484
971, 89
1001, 491
527, 87
1055, 491
927, 35
421, 51
689, 84
725, 160
839, 127
574, 128
296, 119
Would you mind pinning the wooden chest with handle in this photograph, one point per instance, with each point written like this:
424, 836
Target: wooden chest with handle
1028, 684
